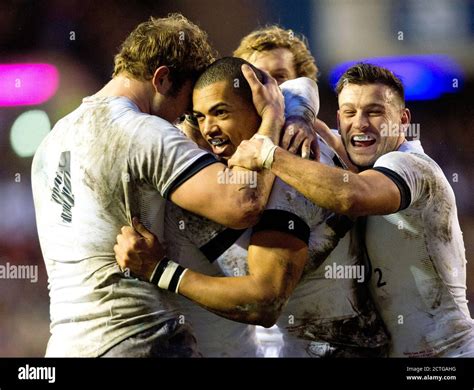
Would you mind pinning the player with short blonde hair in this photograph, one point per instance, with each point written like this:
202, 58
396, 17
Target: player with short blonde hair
269, 38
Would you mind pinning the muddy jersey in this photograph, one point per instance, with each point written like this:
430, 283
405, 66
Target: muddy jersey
196, 243
101, 164
321, 308
418, 261
193, 242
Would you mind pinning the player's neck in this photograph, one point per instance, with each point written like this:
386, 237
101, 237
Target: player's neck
400, 141
135, 90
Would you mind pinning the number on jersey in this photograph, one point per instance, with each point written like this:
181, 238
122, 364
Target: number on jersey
62, 191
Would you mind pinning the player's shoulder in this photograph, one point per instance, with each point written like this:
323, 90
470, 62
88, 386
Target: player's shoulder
286, 198
124, 114
409, 157
150, 131
421, 174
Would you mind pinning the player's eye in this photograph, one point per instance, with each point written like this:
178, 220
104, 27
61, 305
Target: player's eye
375, 112
221, 113
191, 119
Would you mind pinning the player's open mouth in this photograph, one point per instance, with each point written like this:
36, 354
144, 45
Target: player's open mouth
219, 145
362, 140
218, 141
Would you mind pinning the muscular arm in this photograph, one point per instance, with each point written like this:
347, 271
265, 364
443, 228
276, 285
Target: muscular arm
367, 193
276, 261
234, 205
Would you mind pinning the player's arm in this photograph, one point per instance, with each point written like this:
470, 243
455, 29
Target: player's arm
233, 205
367, 193
236, 205
276, 260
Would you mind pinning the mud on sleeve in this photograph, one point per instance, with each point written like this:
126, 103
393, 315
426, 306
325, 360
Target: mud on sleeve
163, 156
290, 212
413, 174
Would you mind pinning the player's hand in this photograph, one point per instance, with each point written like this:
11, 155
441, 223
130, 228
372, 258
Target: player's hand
300, 138
267, 97
138, 250
248, 155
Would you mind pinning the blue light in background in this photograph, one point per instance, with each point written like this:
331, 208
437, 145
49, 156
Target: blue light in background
425, 76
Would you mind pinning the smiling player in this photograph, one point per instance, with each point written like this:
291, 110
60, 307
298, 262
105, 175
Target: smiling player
412, 234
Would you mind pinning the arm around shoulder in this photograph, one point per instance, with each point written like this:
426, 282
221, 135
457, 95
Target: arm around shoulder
208, 193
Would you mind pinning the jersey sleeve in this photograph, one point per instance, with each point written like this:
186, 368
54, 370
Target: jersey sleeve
301, 98
413, 174
290, 212
163, 156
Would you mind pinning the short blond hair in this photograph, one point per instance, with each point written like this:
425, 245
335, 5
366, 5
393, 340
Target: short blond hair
275, 37
173, 41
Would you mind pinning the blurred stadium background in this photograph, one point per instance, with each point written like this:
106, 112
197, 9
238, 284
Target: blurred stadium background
79, 38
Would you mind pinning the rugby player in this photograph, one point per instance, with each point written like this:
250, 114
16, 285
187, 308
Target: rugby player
412, 235
285, 55
117, 156
273, 270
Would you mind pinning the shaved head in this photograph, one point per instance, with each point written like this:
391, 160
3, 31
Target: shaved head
229, 69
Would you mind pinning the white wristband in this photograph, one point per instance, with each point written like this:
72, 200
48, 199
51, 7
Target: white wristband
267, 152
167, 275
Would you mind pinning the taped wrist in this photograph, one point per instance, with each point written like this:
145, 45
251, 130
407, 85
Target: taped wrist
167, 275
267, 152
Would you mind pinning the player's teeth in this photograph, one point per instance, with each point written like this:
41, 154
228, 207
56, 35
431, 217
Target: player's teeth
362, 138
217, 141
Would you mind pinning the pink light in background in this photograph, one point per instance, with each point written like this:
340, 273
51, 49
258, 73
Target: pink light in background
27, 84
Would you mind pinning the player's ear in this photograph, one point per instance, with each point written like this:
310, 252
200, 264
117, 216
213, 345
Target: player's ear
406, 116
405, 120
161, 80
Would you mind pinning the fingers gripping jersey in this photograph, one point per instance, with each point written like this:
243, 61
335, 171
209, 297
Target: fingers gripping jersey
418, 261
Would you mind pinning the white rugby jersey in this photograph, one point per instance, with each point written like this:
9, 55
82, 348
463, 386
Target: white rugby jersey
196, 243
317, 307
100, 165
418, 261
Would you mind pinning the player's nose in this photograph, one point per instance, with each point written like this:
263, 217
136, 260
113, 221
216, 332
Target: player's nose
360, 122
210, 129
